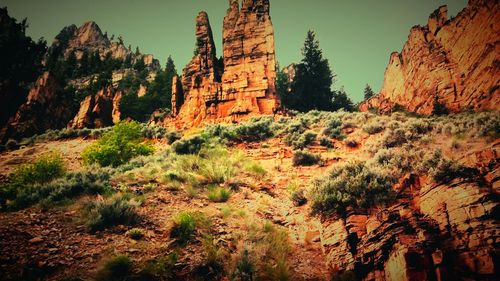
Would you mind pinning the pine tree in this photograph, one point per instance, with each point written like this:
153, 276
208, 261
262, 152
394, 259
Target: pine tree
282, 86
341, 100
368, 92
311, 88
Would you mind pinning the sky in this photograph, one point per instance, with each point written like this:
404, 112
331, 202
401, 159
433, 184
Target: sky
357, 36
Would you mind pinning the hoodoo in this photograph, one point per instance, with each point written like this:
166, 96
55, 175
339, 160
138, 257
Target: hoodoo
240, 86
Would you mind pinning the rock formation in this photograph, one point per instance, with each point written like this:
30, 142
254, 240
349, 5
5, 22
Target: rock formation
447, 64
46, 108
245, 84
97, 111
438, 231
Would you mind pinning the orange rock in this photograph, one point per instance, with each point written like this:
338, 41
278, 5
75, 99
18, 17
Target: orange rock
453, 63
246, 84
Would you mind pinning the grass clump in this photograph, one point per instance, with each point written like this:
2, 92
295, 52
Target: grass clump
184, 226
350, 185
116, 210
245, 268
190, 145
118, 268
218, 194
135, 233
303, 158
118, 146
162, 268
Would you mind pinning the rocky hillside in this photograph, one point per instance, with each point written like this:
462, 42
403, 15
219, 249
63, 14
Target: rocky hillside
448, 65
318, 196
86, 75
243, 83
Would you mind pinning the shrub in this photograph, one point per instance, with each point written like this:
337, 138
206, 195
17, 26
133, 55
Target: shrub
447, 170
119, 209
394, 138
257, 129
351, 143
70, 186
300, 141
352, 184
303, 158
191, 145
135, 233
118, 268
298, 198
345, 276
218, 194
333, 128
117, 147
11, 144
42, 170
326, 142
373, 128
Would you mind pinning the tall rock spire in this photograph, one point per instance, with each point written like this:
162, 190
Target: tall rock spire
247, 84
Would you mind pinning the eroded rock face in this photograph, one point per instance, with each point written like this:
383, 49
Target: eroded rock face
447, 63
45, 108
245, 84
435, 231
97, 111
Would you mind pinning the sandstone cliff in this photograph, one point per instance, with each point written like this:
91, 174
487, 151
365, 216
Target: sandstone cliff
46, 108
97, 111
451, 63
438, 231
245, 84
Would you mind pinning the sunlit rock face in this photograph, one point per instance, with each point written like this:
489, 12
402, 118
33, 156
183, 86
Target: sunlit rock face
241, 85
99, 110
448, 64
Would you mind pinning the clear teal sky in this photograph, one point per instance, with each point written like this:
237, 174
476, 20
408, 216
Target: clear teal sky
357, 36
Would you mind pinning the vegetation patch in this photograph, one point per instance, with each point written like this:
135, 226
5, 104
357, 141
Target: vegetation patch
350, 185
303, 158
118, 146
116, 210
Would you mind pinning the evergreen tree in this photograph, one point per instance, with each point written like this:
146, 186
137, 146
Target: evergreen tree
282, 86
71, 66
311, 88
340, 100
368, 92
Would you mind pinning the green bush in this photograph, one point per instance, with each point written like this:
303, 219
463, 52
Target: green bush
303, 158
333, 128
118, 209
42, 170
326, 142
352, 184
300, 141
447, 170
117, 147
190, 145
373, 128
256, 129
218, 194
118, 268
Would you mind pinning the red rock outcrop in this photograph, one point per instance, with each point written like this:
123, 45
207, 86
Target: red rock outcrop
451, 64
245, 84
45, 108
97, 111
436, 231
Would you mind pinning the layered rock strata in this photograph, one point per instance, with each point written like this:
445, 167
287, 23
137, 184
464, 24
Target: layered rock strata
241, 85
97, 111
448, 65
